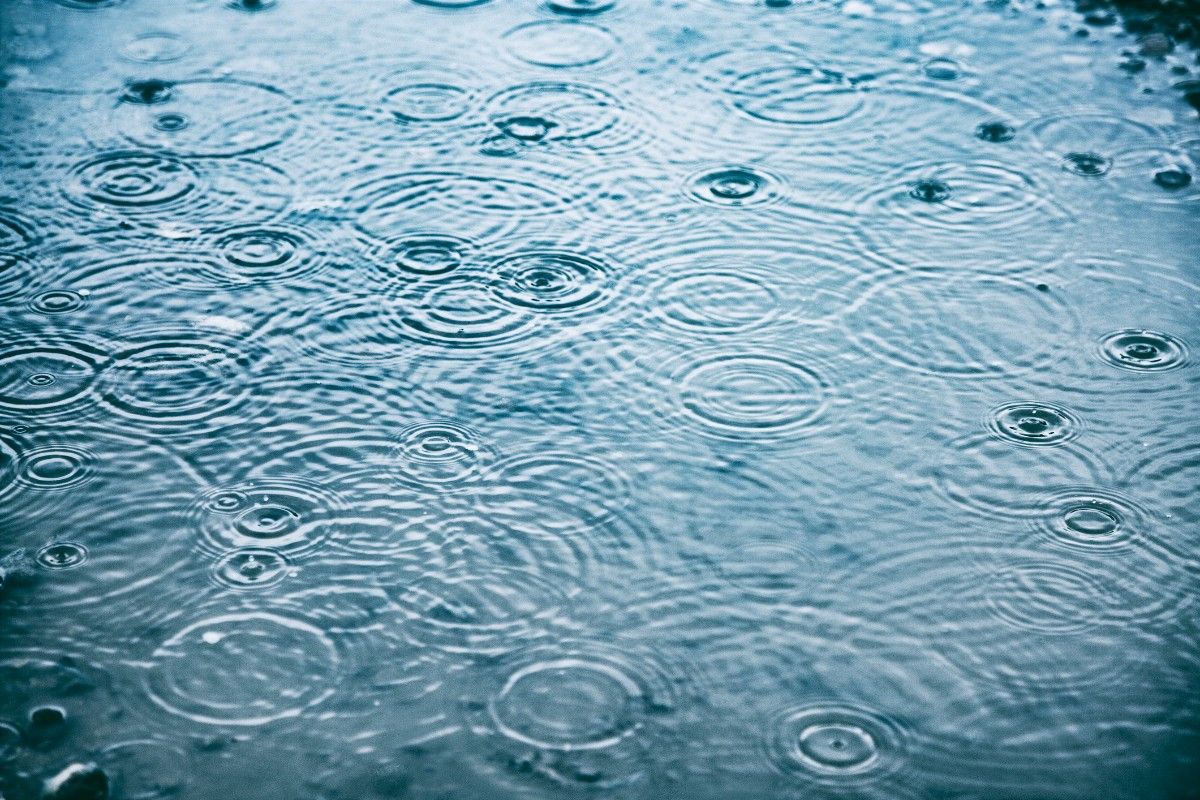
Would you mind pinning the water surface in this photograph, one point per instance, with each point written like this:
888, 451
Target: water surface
598, 398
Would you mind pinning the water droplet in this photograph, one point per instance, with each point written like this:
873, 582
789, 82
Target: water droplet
526, 129
62, 555
250, 6
930, 190
552, 281
1173, 178
170, 122
834, 743
734, 186
251, 568
942, 69
290, 516
995, 131
1034, 423
1089, 165
438, 454
147, 92
580, 6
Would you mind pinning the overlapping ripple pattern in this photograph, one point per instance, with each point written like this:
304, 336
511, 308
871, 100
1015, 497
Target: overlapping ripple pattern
631, 399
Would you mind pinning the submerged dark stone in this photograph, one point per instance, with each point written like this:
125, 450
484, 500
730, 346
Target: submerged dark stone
78, 781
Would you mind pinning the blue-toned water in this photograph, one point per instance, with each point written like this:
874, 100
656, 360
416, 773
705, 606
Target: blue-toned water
597, 398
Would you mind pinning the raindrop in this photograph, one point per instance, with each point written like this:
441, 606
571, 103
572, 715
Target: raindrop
62, 555
1034, 423
1089, 165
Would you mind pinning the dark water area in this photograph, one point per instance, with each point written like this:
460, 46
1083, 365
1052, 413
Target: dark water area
599, 399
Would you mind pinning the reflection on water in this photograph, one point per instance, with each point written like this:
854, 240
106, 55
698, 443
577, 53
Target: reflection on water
597, 398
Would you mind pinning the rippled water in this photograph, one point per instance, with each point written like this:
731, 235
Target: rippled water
598, 398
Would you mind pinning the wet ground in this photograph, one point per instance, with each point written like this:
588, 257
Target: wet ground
615, 399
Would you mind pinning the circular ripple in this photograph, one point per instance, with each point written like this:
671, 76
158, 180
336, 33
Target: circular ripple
559, 44
783, 87
1091, 520
552, 281
958, 325
987, 475
1048, 596
954, 197
734, 186
438, 453
567, 704
144, 769
557, 491
1143, 350
1089, 165
1159, 175
445, 200
131, 180
834, 743
489, 613
251, 568
54, 467
580, 6
718, 299
451, 3
16, 272
16, 232
291, 515
466, 314
794, 94
591, 713
58, 301
243, 669
572, 114
358, 331
1086, 142
62, 555
265, 253
1034, 423
427, 102
210, 118
40, 375
176, 378
766, 569
423, 255
747, 395
1172, 476
714, 281
155, 47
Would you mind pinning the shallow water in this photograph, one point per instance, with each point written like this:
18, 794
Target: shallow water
597, 398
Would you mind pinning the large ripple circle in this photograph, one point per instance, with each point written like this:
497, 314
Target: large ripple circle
957, 325
744, 395
243, 669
